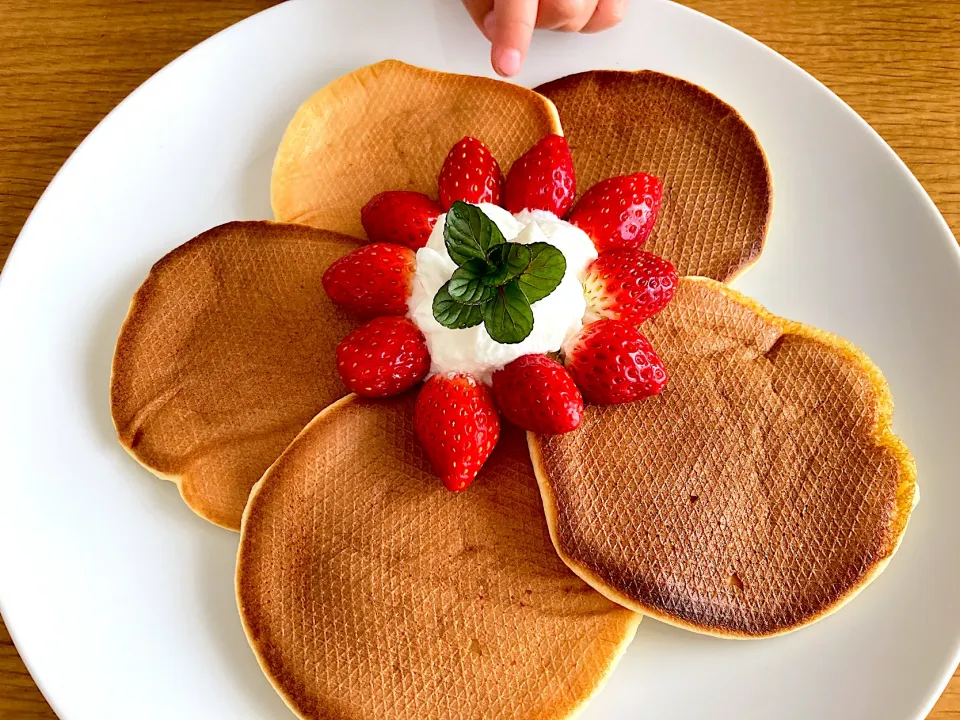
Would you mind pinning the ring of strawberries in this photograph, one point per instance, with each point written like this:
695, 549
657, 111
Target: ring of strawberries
457, 417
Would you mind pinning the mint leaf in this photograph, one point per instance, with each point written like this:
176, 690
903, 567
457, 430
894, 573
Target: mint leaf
452, 314
467, 283
508, 261
544, 273
508, 318
469, 234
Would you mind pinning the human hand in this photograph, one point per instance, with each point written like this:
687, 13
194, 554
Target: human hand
509, 24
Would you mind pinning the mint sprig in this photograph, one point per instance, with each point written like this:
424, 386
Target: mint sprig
469, 234
467, 284
452, 314
508, 261
495, 281
508, 318
543, 274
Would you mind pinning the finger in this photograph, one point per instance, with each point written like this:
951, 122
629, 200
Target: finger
608, 14
566, 15
479, 10
514, 21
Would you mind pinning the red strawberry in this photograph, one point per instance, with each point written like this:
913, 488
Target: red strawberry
401, 217
387, 356
458, 426
373, 280
629, 285
470, 173
538, 394
612, 363
620, 211
542, 179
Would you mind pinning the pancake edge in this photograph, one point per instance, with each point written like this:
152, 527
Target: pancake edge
629, 627
907, 495
391, 65
756, 251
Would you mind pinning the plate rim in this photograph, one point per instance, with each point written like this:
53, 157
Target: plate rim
919, 191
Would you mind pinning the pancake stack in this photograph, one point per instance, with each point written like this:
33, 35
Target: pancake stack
390, 126
225, 355
759, 492
718, 196
367, 590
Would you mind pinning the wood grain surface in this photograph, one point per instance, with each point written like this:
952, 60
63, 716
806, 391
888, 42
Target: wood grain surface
65, 63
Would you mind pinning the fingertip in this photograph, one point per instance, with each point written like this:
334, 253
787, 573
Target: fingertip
514, 24
506, 61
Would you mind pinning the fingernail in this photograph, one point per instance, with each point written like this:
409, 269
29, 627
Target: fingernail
490, 25
506, 61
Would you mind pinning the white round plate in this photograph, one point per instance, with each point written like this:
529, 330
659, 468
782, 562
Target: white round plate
121, 600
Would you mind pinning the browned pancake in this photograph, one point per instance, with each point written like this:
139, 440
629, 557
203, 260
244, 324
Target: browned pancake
718, 193
226, 353
367, 590
762, 490
389, 126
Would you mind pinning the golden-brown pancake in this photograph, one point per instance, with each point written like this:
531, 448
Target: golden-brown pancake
718, 193
367, 590
226, 353
759, 492
389, 126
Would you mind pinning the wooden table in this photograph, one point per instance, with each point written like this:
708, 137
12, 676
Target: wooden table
65, 63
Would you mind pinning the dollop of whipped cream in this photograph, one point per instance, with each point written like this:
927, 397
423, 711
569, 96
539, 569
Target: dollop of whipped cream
556, 318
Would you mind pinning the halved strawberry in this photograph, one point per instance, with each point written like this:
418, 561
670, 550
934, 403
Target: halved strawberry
612, 363
628, 284
384, 357
543, 179
536, 393
401, 217
619, 211
458, 425
470, 173
373, 280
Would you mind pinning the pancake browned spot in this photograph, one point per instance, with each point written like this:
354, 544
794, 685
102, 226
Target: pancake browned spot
367, 590
762, 490
718, 193
226, 353
389, 126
